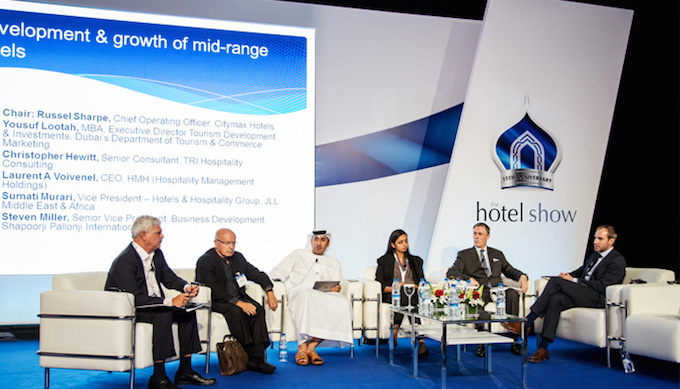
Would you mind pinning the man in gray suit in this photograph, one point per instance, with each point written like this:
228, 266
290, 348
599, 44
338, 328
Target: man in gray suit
483, 265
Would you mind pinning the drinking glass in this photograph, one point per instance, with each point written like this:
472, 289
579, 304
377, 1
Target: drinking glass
409, 289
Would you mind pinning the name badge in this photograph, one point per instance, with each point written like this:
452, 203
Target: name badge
241, 280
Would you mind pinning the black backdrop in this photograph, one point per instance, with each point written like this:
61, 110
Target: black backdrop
639, 191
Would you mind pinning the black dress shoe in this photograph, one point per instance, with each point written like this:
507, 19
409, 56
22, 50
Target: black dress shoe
266, 368
480, 352
260, 366
193, 378
516, 348
163, 383
371, 341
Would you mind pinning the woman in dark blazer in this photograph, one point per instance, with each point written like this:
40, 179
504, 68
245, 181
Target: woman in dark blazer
408, 269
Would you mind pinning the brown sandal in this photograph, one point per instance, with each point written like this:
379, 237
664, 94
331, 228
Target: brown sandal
315, 359
301, 359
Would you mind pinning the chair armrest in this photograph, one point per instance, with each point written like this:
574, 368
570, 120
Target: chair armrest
510, 283
87, 303
352, 288
652, 299
613, 293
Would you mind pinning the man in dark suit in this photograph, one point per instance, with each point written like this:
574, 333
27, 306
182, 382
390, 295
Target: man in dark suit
583, 287
226, 272
141, 270
483, 266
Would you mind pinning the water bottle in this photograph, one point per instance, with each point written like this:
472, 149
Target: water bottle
283, 348
396, 294
454, 303
427, 298
500, 301
467, 288
446, 288
460, 288
628, 365
421, 296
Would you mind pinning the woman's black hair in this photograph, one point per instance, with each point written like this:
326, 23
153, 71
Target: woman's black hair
393, 238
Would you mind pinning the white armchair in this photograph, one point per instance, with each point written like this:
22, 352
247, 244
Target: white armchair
84, 327
602, 327
653, 324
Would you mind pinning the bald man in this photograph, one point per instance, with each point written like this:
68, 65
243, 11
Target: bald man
226, 272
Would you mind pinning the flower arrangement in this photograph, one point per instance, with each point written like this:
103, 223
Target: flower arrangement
438, 295
472, 297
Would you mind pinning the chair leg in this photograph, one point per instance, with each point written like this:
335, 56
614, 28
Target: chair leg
47, 377
132, 377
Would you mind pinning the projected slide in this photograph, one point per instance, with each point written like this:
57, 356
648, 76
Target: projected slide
106, 116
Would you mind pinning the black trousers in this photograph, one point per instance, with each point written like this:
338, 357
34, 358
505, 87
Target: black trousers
559, 295
250, 331
163, 344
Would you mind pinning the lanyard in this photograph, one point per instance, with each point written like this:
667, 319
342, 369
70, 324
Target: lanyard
402, 269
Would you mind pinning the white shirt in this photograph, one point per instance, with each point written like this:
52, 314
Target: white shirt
152, 286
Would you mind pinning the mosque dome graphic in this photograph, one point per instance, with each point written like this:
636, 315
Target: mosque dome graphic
527, 155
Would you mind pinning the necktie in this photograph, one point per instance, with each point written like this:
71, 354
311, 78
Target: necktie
485, 264
591, 266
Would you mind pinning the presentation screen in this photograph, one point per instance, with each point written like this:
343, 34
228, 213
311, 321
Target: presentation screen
107, 116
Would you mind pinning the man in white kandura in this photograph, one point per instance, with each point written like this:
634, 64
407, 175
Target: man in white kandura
318, 316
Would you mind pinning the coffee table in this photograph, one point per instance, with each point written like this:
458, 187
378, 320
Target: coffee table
450, 332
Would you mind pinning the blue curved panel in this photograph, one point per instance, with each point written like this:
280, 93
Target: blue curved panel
417, 145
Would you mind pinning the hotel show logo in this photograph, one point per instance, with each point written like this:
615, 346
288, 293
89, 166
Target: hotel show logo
527, 155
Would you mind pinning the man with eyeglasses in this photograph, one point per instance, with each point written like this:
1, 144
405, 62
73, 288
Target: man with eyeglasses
226, 272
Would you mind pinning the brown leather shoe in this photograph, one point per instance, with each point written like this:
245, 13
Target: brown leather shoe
540, 356
514, 327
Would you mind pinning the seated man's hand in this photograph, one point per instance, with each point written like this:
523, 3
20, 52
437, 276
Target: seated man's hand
180, 300
524, 283
192, 290
247, 308
566, 276
474, 283
272, 302
336, 288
